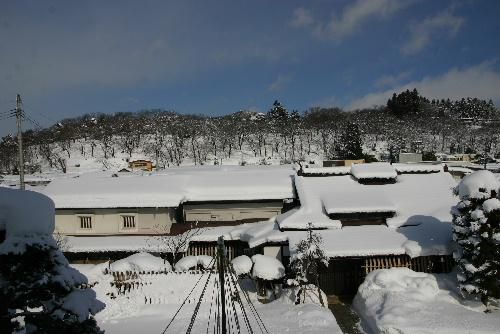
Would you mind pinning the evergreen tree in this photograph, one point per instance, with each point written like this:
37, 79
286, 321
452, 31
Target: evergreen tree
305, 263
349, 144
407, 103
40, 292
476, 221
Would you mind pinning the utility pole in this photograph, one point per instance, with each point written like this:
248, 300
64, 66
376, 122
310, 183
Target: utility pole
19, 119
220, 264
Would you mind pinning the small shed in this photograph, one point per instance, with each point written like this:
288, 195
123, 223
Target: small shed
145, 165
340, 163
410, 157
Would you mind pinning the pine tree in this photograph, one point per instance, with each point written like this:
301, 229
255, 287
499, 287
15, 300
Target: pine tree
349, 144
306, 261
40, 292
476, 220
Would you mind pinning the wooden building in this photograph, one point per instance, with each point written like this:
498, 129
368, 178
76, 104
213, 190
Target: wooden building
144, 165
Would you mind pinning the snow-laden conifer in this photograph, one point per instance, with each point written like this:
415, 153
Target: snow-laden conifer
476, 221
305, 263
39, 291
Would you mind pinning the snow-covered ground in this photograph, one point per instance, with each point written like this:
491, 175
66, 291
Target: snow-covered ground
402, 301
164, 294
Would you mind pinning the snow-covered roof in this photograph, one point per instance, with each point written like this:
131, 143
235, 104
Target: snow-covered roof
342, 170
171, 187
418, 168
376, 170
415, 198
353, 201
311, 191
431, 238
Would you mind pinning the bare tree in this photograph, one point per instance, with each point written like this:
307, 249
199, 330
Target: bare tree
174, 244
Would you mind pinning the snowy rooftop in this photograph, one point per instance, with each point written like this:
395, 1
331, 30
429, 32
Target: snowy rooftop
415, 198
376, 170
172, 187
425, 239
418, 168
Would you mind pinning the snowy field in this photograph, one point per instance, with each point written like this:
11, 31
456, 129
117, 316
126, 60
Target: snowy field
164, 294
402, 301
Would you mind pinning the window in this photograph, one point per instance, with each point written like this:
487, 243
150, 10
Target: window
85, 222
128, 222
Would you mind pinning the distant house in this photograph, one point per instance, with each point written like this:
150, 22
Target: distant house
100, 205
144, 165
340, 163
108, 217
231, 211
410, 157
373, 225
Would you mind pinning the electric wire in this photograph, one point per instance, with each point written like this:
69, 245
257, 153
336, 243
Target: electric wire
236, 320
254, 311
198, 304
183, 303
232, 275
211, 304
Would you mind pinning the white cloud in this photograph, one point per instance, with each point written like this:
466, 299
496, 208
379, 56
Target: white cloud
481, 81
422, 32
280, 83
301, 18
356, 15
391, 80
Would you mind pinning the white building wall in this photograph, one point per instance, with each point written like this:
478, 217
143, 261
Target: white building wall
109, 221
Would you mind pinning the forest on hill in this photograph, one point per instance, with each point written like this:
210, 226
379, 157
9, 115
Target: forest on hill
408, 123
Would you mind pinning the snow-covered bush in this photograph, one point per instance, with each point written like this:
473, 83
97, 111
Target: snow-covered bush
305, 261
141, 262
476, 220
267, 268
39, 291
190, 262
242, 265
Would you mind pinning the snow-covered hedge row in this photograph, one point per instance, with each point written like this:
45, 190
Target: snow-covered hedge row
190, 262
141, 262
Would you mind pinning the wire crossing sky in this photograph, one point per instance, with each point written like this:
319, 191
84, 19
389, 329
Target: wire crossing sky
217, 57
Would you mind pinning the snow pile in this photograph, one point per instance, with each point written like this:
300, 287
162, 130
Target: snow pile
267, 267
376, 170
478, 185
491, 204
399, 300
190, 262
25, 213
141, 262
242, 265
256, 234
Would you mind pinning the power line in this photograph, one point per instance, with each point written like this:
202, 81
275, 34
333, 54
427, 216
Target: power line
183, 303
198, 304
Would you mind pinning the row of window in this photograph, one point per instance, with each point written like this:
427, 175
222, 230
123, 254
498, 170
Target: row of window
128, 222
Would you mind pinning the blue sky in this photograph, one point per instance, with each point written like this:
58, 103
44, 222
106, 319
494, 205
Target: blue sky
217, 57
